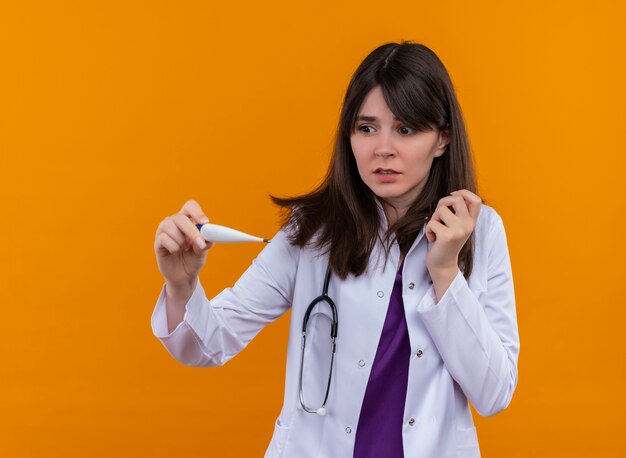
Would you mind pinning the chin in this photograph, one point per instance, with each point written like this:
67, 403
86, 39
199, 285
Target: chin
386, 193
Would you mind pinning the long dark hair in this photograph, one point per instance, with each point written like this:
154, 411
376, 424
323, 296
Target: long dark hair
342, 210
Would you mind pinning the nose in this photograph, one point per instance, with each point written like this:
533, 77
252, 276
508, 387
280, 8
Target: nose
384, 146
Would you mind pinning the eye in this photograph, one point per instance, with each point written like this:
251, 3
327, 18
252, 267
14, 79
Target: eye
405, 130
364, 128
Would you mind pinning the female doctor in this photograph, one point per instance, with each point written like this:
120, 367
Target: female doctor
419, 273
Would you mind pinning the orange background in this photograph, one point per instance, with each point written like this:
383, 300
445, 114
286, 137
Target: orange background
114, 113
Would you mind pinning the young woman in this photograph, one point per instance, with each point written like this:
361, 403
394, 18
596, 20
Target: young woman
415, 263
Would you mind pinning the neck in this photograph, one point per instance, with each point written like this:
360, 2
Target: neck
393, 214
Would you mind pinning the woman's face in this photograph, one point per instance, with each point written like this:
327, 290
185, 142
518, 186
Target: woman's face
393, 160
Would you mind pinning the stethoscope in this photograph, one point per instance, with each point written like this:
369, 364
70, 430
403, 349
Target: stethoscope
333, 336
215, 233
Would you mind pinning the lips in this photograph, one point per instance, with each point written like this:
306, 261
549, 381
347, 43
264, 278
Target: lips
386, 176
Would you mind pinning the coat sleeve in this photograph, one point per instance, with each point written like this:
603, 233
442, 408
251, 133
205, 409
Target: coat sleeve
213, 331
479, 341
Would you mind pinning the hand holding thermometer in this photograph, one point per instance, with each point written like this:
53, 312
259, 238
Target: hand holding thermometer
223, 234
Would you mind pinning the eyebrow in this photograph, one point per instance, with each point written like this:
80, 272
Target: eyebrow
371, 118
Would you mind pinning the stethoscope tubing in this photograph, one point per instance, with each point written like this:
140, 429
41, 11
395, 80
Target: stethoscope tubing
333, 338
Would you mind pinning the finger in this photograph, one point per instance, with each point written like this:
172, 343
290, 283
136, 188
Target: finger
428, 232
457, 203
445, 215
169, 227
193, 210
472, 200
437, 228
198, 251
467, 193
166, 244
460, 206
174, 232
187, 227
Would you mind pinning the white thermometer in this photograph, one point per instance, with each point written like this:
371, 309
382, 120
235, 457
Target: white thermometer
223, 234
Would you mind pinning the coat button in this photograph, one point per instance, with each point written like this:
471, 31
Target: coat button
380, 294
411, 421
348, 430
411, 285
361, 363
419, 353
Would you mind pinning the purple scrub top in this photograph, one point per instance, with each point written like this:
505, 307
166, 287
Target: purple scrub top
379, 431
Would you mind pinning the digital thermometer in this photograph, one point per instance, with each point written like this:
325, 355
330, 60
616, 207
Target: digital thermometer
223, 234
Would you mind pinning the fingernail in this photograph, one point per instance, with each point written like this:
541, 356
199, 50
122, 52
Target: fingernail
201, 243
453, 192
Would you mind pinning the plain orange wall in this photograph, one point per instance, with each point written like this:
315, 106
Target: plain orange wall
114, 113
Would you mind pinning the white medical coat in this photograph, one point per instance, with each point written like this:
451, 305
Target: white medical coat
465, 347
